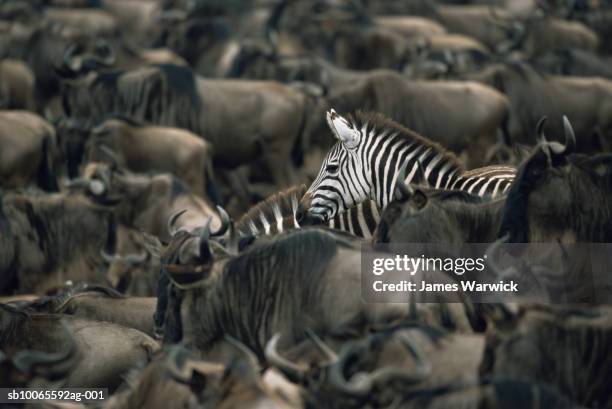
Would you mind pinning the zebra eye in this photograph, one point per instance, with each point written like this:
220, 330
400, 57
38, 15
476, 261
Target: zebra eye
332, 168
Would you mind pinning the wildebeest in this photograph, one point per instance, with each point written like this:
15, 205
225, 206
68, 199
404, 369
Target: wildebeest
440, 216
543, 343
553, 184
272, 114
52, 239
253, 295
568, 61
134, 268
147, 202
177, 377
585, 99
98, 303
105, 351
151, 149
23, 368
29, 150
17, 86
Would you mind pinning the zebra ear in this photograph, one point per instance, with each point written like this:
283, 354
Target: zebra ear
342, 129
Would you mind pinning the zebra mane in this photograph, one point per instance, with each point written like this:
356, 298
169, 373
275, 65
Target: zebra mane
283, 204
379, 122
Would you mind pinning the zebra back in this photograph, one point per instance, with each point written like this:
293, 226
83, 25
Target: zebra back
273, 215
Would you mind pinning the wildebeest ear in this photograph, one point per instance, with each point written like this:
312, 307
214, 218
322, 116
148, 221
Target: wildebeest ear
600, 166
419, 198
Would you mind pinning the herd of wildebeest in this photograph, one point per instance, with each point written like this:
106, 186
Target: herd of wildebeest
186, 186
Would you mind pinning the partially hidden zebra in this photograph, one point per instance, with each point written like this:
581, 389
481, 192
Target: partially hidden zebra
276, 214
371, 152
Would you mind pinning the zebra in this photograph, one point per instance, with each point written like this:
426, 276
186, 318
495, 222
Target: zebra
371, 152
276, 214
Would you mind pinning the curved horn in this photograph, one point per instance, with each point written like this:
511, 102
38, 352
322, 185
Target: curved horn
250, 355
70, 58
137, 259
79, 182
327, 351
540, 136
360, 385
108, 258
112, 155
294, 372
50, 365
570, 136
178, 374
172, 220
225, 222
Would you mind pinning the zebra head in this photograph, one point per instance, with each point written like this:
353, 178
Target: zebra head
344, 179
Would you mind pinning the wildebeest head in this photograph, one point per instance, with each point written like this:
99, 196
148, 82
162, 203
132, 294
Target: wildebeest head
419, 215
24, 367
78, 60
554, 339
558, 195
193, 37
72, 134
103, 182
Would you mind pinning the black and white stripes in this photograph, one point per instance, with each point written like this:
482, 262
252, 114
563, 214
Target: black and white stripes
366, 162
277, 214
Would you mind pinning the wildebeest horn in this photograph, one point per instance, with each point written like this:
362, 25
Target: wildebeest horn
362, 384
71, 60
250, 355
327, 351
172, 220
111, 155
205, 230
570, 136
50, 365
137, 259
225, 222
540, 136
292, 371
108, 258
185, 373
79, 182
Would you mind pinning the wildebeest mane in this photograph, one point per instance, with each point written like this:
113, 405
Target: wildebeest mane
130, 120
55, 219
379, 122
162, 94
283, 202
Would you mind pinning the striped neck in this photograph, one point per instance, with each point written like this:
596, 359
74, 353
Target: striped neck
393, 150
